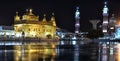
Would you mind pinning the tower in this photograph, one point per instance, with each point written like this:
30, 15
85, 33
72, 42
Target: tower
77, 18
105, 19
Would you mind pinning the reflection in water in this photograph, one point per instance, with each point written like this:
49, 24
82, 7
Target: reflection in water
33, 53
104, 52
89, 52
118, 52
107, 51
76, 53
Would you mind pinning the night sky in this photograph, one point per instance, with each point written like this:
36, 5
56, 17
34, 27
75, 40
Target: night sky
64, 11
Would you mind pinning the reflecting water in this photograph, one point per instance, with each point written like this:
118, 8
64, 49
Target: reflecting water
102, 51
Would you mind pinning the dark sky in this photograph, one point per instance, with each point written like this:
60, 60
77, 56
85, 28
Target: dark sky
64, 11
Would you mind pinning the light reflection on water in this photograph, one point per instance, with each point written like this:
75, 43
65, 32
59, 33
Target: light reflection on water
33, 53
88, 52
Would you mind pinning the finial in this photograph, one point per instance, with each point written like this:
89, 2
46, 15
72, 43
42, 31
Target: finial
77, 8
52, 18
53, 14
26, 10
105, 3
44, 19
30, 10
16, 12
44, 15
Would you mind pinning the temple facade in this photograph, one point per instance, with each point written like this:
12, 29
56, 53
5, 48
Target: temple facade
29, 25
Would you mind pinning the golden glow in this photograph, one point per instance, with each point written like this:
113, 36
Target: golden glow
44, 19
33, 52
118, 23
17, 17
53, 20
33, 28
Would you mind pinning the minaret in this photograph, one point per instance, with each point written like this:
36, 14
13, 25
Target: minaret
77, 18
105, 19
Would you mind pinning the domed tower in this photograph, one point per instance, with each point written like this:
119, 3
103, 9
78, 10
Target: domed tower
105, 19
53, 20
17, 17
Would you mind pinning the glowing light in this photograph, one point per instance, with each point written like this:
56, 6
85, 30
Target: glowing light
76, 31
62, 36
105, 22
105, 10
18, 35
104, 30
77, 13
111, 27
62, 42
74, 38
77, 24
73, 42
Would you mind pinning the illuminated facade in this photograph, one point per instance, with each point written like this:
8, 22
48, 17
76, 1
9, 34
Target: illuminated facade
112, 24
6, 31
105, 19
31, 52
77, 18
30, 26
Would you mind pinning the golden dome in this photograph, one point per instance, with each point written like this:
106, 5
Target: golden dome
44, 19
17, 17
29, 16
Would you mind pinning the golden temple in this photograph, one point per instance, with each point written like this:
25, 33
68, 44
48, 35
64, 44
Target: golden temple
29, 25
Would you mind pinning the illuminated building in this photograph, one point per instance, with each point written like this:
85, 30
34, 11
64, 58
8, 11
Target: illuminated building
30, 26
77, 18
6, 31
31, 52
112, 24
105, 19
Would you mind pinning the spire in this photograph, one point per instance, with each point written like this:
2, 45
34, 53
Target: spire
77, 13
30, 12
16, 13
52, 18
105, 9
17, 17
26, 11
44, 19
